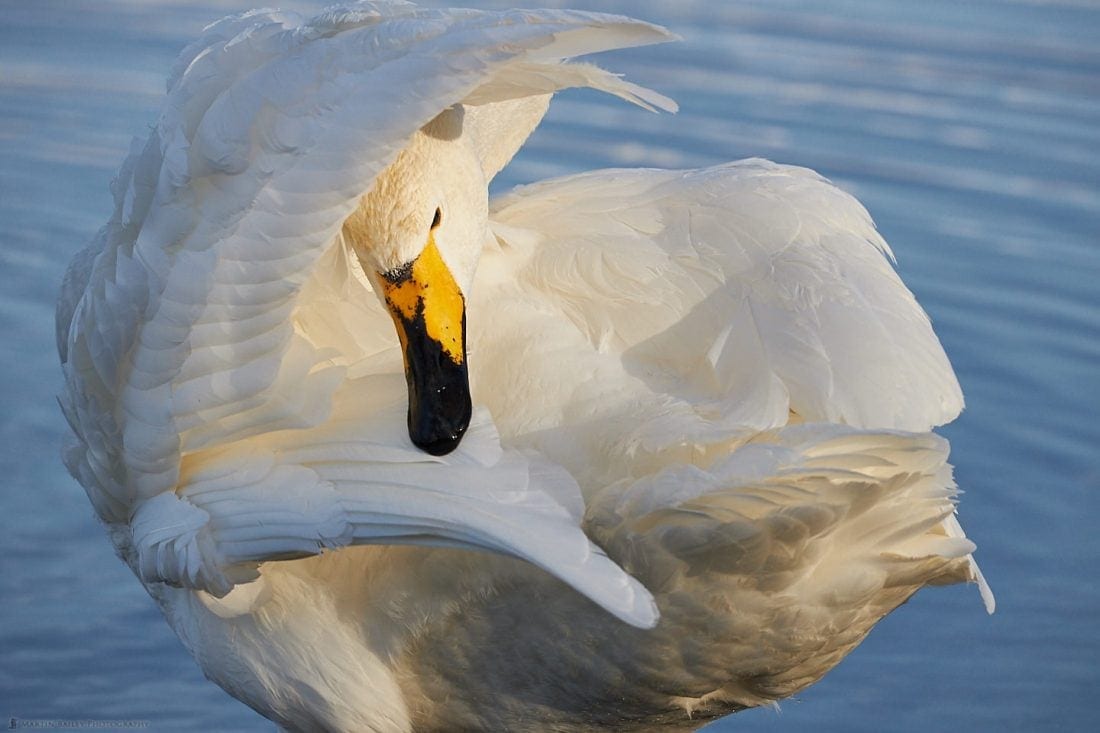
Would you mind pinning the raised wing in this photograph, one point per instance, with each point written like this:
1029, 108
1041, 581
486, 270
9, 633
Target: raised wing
715, 302
187, 327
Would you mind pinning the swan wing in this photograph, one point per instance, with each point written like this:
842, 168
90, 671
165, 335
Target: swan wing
730, 296
194, 327
809, 535
690, 313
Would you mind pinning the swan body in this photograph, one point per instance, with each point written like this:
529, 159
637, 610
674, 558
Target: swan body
684, 415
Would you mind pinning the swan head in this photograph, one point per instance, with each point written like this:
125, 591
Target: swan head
418, 233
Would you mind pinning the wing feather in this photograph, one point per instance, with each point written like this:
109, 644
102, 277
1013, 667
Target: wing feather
808, 534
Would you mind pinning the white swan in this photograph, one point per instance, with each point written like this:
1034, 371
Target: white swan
715, 377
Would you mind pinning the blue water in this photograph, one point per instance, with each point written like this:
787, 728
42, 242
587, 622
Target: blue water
971, 130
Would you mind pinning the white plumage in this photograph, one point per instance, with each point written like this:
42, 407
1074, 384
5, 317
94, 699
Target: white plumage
703, 395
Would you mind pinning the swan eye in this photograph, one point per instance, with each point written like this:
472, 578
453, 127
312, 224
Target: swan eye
437, 219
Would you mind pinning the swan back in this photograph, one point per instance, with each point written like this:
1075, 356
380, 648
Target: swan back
698, 308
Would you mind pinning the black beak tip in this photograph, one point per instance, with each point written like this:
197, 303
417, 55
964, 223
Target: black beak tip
439, 445
439, 429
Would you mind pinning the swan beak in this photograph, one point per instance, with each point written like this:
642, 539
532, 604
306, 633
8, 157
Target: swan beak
429, 311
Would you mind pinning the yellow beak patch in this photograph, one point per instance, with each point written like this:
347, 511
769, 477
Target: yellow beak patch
426, 288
